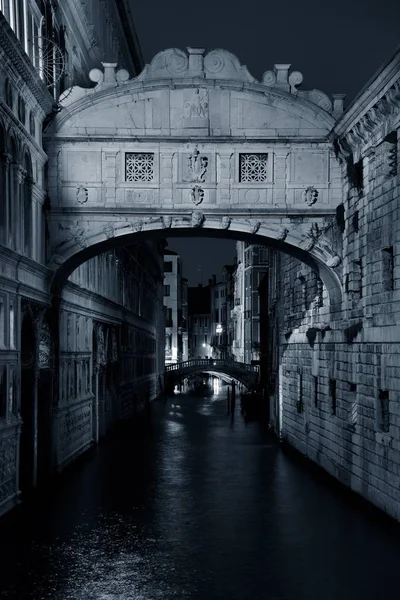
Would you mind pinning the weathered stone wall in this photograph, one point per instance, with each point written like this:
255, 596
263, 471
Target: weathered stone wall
109, 347
339, 374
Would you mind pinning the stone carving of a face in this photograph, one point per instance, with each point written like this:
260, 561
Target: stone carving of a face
197, 218
225, 222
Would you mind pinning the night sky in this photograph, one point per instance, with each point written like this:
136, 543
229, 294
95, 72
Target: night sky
337, 45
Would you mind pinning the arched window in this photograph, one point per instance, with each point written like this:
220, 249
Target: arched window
27, 206
13, 196
3, 186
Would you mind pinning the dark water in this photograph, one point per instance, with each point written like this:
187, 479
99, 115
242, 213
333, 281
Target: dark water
193, 505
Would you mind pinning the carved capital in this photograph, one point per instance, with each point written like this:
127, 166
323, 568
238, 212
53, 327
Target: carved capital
21, 174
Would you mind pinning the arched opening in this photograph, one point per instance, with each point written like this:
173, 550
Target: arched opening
45, 401
97, 245
27, 455
3, 185
27, 206
13, 196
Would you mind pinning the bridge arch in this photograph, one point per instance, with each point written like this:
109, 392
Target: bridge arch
194, 146
318, 261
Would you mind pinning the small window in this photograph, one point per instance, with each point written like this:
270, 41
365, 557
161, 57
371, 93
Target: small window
168, 266
167, 290
388, 268
8, 92
355, 220
332, 394
392, 153
21, 109
139, 166
316, 391
299, 403
253, 168
383, 410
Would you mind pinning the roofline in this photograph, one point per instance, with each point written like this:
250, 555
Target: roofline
132, 40
380, 81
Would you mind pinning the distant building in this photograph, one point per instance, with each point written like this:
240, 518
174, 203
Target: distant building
222, 297
199, 310
174, 298
252, 265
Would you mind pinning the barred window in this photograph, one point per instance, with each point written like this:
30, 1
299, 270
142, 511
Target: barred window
253, 168
139, 166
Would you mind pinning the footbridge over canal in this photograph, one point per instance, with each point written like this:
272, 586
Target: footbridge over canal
246, 374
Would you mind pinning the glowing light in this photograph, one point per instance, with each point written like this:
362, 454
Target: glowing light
219, 328
204, 345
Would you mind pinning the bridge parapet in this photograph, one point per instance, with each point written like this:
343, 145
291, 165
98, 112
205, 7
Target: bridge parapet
247, 374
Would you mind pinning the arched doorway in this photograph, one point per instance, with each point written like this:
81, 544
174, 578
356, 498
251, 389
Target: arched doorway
27, 454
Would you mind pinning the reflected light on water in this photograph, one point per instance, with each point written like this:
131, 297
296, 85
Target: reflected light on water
216, 386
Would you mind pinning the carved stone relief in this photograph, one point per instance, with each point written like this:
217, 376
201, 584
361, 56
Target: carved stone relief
310, 195
166, 221
196, 106
73, 233
45, 347
137, 225
333, 262
225, 222
108, 231
197, 219
197, 194
196, 167
282, 233
254, 225
82, 194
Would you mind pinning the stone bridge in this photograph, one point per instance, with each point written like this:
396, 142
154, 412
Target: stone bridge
195, 145
247, 374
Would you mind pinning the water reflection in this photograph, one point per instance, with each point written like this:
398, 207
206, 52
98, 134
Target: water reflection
195, 506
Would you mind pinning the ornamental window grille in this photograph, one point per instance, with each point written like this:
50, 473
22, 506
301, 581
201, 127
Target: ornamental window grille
139, 166
253, 168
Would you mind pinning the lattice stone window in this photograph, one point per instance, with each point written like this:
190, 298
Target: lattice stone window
139, 166
253, 168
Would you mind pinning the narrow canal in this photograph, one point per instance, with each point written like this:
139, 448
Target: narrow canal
196, 505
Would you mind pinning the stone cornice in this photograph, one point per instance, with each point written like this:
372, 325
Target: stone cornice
11, 51
373, 90
55, 138
373, 112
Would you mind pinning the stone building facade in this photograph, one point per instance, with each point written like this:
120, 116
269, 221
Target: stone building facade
176, 335
71, 363
338, 400
221, 308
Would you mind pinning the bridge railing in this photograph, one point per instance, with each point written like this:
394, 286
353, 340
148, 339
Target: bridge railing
212, 362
